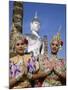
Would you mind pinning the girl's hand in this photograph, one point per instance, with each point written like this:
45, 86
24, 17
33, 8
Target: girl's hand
53, 62
19, 76
48, 66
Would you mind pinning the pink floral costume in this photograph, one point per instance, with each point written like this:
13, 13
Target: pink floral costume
54, 74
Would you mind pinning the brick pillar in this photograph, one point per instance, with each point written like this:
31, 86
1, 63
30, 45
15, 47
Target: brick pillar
17, 22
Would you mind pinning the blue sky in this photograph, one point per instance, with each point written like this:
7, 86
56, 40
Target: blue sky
51, 16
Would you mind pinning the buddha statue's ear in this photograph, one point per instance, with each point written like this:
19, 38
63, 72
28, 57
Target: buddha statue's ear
31, 26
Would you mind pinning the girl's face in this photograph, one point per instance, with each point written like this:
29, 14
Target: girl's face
54, 47
20, 47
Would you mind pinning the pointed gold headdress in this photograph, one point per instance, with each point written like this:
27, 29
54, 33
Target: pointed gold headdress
58, 38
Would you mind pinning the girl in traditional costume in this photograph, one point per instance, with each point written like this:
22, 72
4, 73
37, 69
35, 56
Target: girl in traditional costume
54, 67
19, 64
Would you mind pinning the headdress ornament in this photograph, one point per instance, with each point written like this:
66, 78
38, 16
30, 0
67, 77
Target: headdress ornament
58, 38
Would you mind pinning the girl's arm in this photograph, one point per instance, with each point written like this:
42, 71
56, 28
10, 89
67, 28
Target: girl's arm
60, 69
14, 80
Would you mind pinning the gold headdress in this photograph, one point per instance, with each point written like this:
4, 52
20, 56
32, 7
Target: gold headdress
58, 38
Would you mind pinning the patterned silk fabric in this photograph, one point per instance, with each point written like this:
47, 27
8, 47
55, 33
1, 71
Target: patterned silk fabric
52, 72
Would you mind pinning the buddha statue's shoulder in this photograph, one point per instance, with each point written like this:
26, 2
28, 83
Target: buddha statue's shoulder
31, 36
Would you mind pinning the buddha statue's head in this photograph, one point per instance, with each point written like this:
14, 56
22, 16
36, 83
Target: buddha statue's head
35, 24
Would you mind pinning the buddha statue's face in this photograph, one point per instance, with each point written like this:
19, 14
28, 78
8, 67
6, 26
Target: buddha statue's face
35, 26
54, 47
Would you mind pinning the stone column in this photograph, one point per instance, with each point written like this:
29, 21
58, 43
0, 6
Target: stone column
45, 40
17, 22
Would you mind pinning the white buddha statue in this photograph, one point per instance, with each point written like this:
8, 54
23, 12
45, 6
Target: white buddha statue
35, 43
